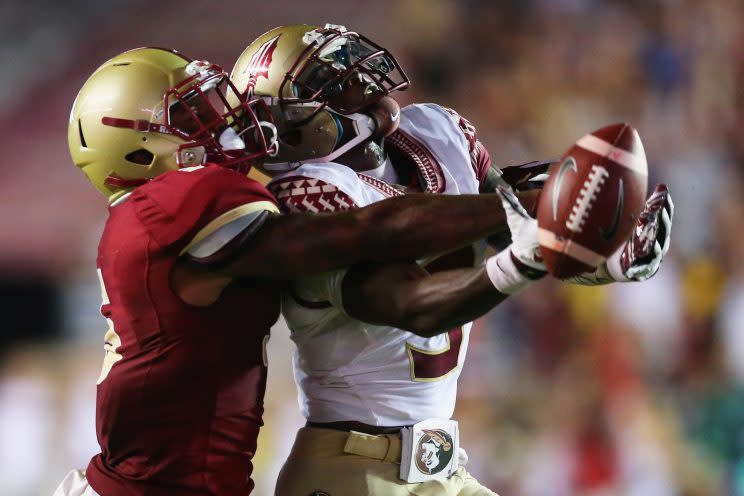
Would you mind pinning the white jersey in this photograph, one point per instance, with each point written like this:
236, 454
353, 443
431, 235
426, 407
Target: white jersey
346, 369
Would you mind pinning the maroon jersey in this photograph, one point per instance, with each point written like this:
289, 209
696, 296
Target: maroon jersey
180, 397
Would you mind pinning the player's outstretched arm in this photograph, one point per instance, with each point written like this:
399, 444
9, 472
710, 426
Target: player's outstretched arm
406, 296
402, 228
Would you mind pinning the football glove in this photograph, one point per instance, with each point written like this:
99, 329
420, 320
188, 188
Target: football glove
514, 267
640, 257
523, 228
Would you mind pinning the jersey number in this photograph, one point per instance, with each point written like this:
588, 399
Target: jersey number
434, 365
112, 339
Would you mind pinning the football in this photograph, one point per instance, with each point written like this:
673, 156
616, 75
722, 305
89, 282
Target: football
592, 199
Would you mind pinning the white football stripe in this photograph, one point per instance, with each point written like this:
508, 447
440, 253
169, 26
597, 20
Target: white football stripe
633, 161
574, 250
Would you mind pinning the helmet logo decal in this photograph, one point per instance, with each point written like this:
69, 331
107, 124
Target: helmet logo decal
433, 451
258, 65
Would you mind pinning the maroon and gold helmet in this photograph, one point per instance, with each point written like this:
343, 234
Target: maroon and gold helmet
151, 110
315, 79
302, 63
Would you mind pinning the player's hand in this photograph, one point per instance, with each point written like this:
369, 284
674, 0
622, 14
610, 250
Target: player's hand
640, 257
514, 267
525, 246
524, 177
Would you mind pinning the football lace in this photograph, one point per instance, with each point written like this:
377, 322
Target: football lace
589, 191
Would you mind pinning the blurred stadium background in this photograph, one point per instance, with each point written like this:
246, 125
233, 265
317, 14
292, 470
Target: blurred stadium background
626, 390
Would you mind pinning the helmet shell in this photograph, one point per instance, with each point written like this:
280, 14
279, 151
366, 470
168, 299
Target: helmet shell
128, 86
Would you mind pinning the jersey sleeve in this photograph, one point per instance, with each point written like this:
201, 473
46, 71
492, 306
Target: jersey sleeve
480, 159
201, 210
435, 120
319, 188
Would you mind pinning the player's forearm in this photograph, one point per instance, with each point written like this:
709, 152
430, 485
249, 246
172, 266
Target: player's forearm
407, 297
420, 225
450, 299
406, 227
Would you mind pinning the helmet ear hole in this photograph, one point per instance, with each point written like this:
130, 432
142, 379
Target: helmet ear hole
140, 157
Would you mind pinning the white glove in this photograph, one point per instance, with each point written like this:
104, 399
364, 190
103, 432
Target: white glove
513, 268
523, 228
640, 257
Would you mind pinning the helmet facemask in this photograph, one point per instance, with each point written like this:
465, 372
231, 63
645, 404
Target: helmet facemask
335, 60
197, 111
321, 102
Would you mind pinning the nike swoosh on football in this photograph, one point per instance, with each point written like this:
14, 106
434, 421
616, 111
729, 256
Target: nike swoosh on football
569, 163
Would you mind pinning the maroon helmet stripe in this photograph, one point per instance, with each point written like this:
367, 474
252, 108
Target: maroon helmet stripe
139, 125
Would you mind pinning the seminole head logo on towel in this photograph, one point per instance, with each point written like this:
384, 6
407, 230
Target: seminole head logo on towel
433, 451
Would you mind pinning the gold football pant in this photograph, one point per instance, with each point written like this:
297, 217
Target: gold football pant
327, 462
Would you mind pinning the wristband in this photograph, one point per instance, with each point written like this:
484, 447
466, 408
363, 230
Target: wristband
505, 274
